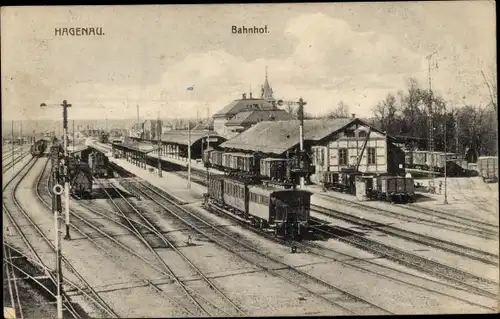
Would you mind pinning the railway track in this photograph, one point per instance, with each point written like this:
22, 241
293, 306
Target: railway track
12, 163
14, 205
365, 265
11, 204
447, 221
455, 276
474, 254
112, 253
10, 272
137, 220
342, 300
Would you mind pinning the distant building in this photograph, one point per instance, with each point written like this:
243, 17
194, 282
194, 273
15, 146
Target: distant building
204, 126
136, 130
241, 114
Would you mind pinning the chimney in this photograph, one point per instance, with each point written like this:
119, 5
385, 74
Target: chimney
353, 115
244, 96
250, 94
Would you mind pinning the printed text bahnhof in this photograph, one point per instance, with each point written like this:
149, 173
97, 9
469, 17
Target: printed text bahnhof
252, 30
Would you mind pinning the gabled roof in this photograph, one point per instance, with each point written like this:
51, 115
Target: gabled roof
277, 137
252, 117
244, 105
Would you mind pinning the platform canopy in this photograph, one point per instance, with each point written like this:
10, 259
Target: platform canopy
182, 137
137, 146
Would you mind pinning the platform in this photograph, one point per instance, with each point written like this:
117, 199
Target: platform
171, 183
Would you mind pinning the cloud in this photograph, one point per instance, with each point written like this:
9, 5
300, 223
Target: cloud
330, 59
330, 62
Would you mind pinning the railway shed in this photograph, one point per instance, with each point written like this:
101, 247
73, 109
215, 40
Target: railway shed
175, 143
332, 145
134, 152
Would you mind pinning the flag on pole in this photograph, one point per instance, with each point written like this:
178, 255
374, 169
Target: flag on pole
191, 88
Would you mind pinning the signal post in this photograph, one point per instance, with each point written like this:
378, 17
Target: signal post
57, 190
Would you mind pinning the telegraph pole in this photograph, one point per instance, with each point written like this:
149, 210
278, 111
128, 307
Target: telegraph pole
457, 142
301, 117
12, 144
445, 162
189, 155
138, 121
21, 135
65, 106
208, 139
158, 132
431, 120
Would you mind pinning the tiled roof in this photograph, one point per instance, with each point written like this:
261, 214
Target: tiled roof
252, 117
181, 137
277, 137
243, 105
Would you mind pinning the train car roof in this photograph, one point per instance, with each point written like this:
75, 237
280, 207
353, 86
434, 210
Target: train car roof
236, 180
266, 190
274, 159
242, 154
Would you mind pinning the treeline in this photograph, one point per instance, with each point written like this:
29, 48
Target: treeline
471, 130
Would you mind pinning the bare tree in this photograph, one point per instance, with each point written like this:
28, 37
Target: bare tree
292, 110
386, 114
492, 88
341, 111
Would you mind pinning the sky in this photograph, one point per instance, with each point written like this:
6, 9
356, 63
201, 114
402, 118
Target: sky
325, 53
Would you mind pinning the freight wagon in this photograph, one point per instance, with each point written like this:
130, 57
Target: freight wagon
99, 164
487, 166
285, 211
37, 149
274, 168
393, 189
431, 161
81, 181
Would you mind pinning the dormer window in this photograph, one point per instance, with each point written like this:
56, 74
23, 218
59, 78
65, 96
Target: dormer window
362, 134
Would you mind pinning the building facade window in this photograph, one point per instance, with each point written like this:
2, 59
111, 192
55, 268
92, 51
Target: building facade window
349, 133
372, 158
343, 159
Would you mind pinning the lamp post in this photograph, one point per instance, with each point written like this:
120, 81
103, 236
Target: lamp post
65, 106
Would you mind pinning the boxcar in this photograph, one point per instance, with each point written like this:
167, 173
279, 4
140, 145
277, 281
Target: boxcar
330, 180
38, 148
273, 168
216, 188
99, 164
81, 180
394, 188
226, 160
216, 158
487, 167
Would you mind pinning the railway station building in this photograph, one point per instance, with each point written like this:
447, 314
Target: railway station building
241, 114
332, 145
